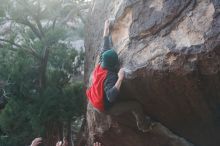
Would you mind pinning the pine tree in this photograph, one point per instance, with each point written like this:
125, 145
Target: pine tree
37, 65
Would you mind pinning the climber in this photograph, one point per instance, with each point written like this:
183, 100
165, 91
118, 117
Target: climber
106, 83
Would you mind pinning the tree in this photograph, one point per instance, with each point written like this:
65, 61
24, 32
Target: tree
38, 67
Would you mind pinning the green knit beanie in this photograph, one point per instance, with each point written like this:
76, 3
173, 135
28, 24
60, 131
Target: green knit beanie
109, 60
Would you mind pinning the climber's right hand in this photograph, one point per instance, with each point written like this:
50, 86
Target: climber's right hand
121, 74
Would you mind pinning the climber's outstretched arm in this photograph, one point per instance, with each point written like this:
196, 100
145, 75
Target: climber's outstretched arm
106, 39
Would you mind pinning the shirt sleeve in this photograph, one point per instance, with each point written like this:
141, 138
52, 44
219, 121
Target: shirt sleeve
106, 47
111, 91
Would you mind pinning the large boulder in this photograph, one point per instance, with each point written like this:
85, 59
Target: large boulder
172, 48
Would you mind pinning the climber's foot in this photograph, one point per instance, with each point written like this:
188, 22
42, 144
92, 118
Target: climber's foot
145, 125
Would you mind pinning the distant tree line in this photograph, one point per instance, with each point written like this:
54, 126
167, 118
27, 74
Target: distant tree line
38, 69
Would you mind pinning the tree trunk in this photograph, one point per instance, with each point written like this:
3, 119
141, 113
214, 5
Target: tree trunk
69, 133
43, 69
53, 133
81, 138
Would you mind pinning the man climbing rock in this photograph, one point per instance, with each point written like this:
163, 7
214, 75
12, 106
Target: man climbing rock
107, 80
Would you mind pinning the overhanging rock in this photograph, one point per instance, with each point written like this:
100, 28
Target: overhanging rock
173, 49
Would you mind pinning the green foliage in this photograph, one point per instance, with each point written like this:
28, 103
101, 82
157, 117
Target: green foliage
27, 112
33, 50
14, 121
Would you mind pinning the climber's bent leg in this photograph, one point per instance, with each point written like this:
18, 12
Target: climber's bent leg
143, 122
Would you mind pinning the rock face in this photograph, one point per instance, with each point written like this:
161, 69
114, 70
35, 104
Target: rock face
172, 48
